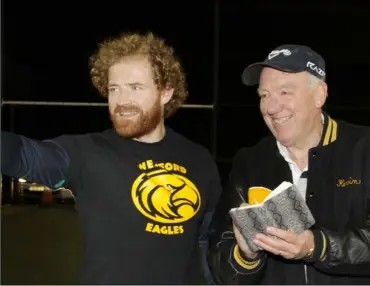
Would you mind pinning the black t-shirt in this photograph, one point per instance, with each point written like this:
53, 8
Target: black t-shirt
141, 205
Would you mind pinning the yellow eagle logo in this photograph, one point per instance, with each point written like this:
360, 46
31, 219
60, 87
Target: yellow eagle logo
165, 197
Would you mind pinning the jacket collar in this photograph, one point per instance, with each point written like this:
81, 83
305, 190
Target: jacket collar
329, 134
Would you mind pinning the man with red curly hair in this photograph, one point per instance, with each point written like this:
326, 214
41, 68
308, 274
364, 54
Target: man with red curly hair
145, 194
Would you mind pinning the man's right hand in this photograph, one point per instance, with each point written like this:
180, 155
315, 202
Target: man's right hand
243, 244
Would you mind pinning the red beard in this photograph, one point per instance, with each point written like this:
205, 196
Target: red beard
142, 124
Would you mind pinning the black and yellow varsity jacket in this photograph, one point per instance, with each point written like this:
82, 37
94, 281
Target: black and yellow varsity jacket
338, 195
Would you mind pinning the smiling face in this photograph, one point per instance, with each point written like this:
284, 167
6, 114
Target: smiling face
290, 106
135, 103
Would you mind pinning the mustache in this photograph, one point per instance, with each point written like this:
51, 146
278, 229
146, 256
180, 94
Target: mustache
126, 108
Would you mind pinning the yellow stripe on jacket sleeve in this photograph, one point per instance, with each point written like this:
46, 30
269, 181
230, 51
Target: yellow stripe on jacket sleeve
249, 265
324, 247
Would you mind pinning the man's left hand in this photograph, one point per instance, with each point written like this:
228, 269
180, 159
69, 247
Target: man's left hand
286, 243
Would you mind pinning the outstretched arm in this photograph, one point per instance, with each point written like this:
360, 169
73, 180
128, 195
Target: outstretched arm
44, 162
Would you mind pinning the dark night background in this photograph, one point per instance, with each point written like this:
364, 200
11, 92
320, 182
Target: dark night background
45, 51
46, 48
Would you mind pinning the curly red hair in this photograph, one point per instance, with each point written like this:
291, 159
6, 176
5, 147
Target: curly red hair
167, 70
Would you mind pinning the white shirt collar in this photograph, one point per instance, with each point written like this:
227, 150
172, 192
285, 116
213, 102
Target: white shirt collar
284, 151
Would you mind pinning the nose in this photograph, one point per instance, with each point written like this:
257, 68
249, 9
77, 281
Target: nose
273, 105
124, 97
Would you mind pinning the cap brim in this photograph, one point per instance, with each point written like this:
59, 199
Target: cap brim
251, 74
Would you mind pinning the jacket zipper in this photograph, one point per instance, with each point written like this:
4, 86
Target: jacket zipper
305, 275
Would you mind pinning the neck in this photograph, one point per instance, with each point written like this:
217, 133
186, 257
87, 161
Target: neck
154, 136
299, 152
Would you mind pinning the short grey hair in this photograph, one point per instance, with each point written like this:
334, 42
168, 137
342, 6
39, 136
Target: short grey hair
313, 81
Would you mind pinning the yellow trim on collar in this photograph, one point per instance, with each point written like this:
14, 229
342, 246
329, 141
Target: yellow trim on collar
331, 132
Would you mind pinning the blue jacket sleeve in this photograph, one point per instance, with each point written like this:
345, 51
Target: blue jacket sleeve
45, 162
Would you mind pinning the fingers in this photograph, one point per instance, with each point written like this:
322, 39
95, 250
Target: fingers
286, 235
272, 244
279, 242
268, 247
290, 250
276, 246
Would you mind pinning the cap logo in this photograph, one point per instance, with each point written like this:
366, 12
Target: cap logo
315, 68
275, 53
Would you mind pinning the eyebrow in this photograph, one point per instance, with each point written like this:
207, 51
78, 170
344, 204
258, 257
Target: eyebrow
130, 83
136, 83
288, 86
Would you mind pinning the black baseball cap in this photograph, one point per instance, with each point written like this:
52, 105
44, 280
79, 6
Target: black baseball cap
287, 58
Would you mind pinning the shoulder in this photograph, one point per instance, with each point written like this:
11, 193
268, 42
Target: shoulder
349, 129
85, 141
187, 146
352, 134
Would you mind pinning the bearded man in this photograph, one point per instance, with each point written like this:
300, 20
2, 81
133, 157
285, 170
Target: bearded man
145, 194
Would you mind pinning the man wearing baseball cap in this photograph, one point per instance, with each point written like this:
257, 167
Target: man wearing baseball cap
329, 162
